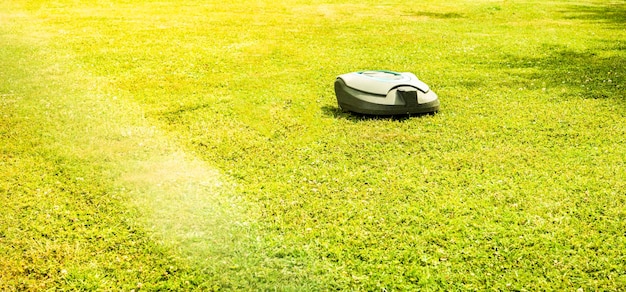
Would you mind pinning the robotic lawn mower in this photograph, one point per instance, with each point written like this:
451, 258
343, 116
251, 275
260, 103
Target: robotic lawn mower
380, 92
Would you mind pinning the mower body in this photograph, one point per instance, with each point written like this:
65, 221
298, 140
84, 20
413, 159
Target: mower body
384, 93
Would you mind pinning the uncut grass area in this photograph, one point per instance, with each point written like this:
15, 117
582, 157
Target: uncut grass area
517, 183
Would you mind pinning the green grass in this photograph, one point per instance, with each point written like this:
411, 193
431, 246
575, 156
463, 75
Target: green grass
198, 144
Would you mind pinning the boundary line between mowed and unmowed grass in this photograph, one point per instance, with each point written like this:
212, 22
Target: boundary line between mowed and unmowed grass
93, 196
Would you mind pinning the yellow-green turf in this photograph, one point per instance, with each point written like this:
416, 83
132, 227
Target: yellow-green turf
197, 145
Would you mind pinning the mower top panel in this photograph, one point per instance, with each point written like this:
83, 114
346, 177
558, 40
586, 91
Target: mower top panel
381, 82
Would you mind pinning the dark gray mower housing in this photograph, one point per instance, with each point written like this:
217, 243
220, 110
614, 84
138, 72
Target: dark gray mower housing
380, 92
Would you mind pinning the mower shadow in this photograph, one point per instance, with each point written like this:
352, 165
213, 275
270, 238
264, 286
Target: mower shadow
338, 113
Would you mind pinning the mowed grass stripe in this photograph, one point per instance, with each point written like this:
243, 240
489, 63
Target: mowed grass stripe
92, 195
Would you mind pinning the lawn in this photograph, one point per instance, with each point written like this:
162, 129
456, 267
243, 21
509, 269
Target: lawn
180, 145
